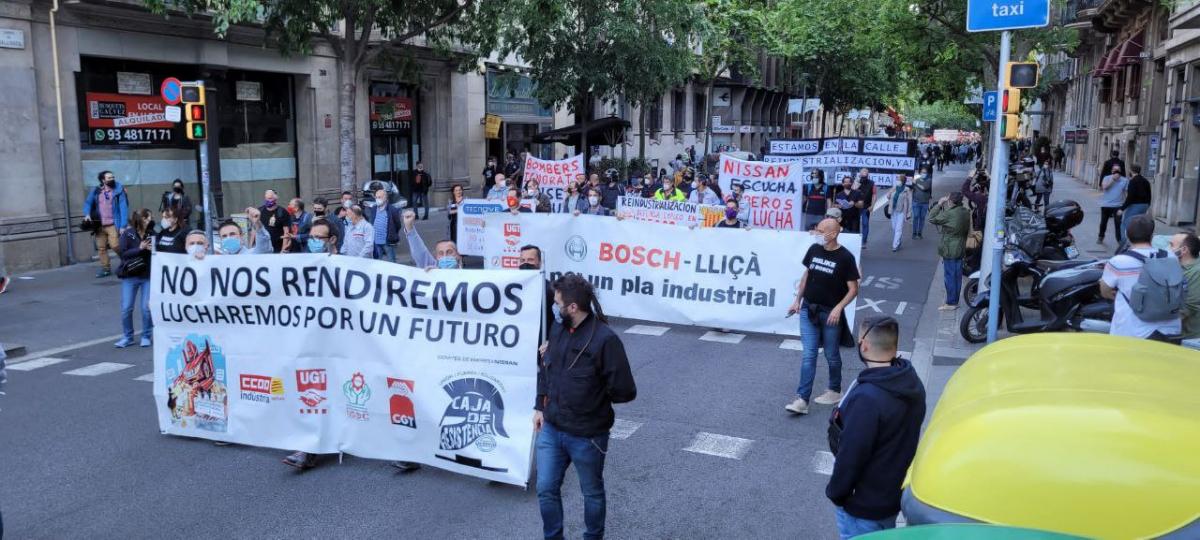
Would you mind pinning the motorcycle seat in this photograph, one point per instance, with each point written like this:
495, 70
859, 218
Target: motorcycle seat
1051, 266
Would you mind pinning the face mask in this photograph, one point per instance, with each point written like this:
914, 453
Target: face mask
178, 189
527, 266
532, 192
195, 249
231, 245
512, 202
594, 200
316, 245
447, 262
695, 185
666, 187
730, 213
557, 313
269, 203
319, 213
380, 202
165, 223
110, 183
347, 204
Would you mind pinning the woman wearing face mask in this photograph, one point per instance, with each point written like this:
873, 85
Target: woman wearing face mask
731, 220
898, 206
456, 199
593, 207
573, 200
134, 248
171, 235
178, 202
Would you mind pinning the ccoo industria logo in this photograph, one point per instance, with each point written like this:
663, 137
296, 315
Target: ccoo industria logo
475, 416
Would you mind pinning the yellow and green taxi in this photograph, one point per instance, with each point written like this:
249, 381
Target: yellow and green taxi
1083, 434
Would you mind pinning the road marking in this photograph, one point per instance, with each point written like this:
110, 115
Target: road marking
873, 304
647, 330
724, 446
149, 377
900, 308
722, 337
623, 429
795, 345
38, 363
822, 463
64, 348
98, 369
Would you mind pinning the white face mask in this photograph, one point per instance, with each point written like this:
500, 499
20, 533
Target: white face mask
380, 202
195, 249
165, 223
594, 200
532, 192
347, 204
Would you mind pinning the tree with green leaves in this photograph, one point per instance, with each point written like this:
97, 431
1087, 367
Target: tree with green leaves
729, 37
583, 51
360, 33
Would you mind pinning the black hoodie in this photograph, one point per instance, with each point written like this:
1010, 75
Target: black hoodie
881, 418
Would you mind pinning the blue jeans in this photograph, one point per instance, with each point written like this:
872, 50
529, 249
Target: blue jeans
865, 223
953, 270
813, 336
555, 451
850, 526
385, 252
129, 294
1133, 210
919, 212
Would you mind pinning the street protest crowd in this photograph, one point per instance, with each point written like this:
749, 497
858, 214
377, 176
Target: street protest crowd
583, 369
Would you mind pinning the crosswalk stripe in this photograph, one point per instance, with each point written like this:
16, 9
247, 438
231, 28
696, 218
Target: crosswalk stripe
98, 369
149, 377
623, 429
57, 350
722, 337
647, 330
37, 363
714, 444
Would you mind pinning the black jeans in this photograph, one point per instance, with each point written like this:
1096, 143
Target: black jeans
1107, 213
419, 199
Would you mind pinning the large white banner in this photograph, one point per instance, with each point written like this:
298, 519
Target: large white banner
771, 192
717, 278
330, 354
669, 212
553, 175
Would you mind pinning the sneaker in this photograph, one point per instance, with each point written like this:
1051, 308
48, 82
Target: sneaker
828, 398
799, 406
947, 307
146, 341
301, 460
103, 273
4, 281
125, 342
406, 466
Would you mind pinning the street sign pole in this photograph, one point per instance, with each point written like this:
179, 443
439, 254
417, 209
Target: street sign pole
993, 253
208, 232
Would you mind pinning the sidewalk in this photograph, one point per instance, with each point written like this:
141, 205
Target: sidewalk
950, 349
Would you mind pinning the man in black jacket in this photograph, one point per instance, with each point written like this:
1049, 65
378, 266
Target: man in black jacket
880, 420
583, 371
420, 189
274, 218
1106, 169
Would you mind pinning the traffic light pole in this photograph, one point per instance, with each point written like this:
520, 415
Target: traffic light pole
996, 197
204, 188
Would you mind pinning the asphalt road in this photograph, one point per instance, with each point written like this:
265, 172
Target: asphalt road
706, 451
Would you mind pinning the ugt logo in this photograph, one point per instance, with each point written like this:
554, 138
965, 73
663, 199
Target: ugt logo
311, 385
512, 234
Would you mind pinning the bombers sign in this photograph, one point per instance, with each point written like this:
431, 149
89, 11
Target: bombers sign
552, 176
718, 278
331, 354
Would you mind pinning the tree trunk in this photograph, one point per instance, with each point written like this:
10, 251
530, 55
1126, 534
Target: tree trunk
642, 132
583, 130
347, 95
708, 105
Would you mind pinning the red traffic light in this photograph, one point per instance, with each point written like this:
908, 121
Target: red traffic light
195, 112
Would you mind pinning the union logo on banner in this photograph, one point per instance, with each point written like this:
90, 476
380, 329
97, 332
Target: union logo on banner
311, 385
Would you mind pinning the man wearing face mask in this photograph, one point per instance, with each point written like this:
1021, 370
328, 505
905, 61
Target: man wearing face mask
499, 190
297, 232
865, 187
360, 236
178, 202
703, 195
274, 218
105, 210
668, 192
583, 372
593, 204
229, 240
320, 209
647, 187
816, 199
445, 256
1187, 248
342, 216
196, 244
610, 191
829, 283
874, 432
849, 201
531, 259
731, 220
514, 202
420, 189
385, 224
489, 174
534, 191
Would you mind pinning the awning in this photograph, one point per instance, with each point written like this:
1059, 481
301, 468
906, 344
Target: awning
607, 131
1107, 65
1131, 51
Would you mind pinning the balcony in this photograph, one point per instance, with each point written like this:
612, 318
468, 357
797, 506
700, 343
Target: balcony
1112, 15
1078, 13
1186, 16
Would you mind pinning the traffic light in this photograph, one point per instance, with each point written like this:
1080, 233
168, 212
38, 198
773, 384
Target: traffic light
1022, 74
1010, 127
192, 95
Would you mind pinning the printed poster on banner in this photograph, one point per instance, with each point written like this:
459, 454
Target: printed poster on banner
771, 192
329, 354
884, 158
552, 176
470, 222
711, 277
669, 212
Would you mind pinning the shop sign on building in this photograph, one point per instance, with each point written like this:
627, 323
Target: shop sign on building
248, 90
129, 120
134, 83
12, 38
391, 114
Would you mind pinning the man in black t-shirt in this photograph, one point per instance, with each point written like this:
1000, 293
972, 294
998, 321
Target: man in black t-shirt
829, 283
848, 200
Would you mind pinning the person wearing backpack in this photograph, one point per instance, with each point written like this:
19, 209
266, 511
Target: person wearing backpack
1146, 285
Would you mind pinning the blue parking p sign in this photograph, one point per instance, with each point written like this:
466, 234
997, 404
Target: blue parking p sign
987, 15
991, 104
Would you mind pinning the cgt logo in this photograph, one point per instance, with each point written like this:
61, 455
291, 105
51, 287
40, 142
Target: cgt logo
312, 385
400, 403
576, 248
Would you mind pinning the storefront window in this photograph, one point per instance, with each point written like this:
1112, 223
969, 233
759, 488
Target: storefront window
257, 137
395, 134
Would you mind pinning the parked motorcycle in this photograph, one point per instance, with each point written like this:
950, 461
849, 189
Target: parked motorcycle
1046, 238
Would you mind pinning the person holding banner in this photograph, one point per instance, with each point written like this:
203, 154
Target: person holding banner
731, 220
829, 284
897, 207
534, 191
583, 372
447, 255
514, 202
703, 194
592, 205
849, 201
499, 189
668, 192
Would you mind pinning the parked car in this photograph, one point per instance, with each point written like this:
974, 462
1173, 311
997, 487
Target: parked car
1084, 434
